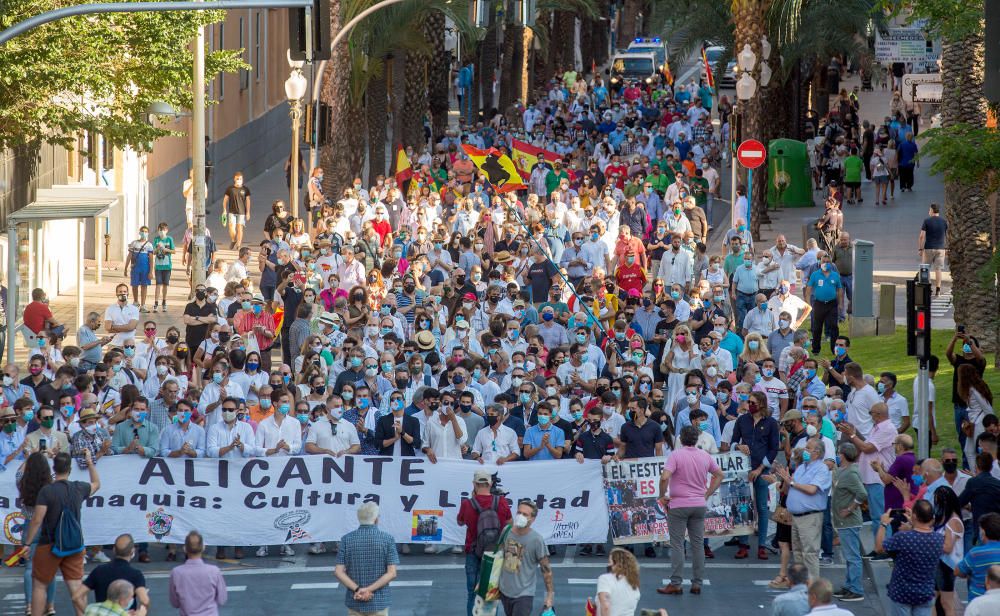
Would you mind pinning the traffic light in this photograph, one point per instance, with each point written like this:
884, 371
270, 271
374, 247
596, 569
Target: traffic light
918, 319
312, 26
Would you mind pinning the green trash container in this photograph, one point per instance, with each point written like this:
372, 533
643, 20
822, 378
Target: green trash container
789, 183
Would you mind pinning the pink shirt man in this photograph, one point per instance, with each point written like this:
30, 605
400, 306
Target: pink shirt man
689, 469
882, 435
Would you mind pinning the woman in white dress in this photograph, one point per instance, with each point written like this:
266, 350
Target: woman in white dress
682, 355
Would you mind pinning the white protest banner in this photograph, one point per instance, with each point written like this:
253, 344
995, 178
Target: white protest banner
905, 45
301, 499
637, 516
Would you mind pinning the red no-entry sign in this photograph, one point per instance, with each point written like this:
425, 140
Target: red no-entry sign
751, 154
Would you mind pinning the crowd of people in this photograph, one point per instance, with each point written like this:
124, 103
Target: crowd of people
581, 318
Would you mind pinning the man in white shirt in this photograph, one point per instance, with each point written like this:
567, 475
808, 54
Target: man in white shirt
220, 387
989, 603
899, 409
761, 319
351, 272
579, 372
443, 435
784, 301
233, 437
121, 318
330, 436
675, 264
278, 435
328, 262
785, 255
496, 443
861, 399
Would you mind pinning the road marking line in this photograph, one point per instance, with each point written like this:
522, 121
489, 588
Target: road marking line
688, 582
316, 585
236, 588
411, 583
580, 581
14, 596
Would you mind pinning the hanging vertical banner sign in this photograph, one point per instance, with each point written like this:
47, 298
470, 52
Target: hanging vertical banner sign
636, 515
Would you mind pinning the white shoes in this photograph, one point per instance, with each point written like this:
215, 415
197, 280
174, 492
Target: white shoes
262, 551
317, 548
430, 549
457, 549
286, 550
100, 557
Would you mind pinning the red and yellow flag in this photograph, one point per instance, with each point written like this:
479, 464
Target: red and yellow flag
403, 169
526, 155
667, 75
498, 168
590, 609
708, 69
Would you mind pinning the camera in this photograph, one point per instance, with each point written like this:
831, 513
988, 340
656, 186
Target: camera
495, 488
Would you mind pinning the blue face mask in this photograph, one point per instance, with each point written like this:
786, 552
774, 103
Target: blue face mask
217, 378
252, 366
675, 295
129, 351
477, 374
68, 410
543, 420
966, 348
619, 335
762, 307
257, 308
302, 417
768, 372
581, 338
525, 398
396, 405
840, 351
743, 397
703, 426
363, 403
806, 457
284, 408
810, 374
355, 362
29, 415
577, 415
548, 316
918, 480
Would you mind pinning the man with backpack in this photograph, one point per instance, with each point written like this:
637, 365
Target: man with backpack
56, 524
484, 515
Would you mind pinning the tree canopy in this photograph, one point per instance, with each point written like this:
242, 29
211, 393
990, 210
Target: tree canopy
98, 73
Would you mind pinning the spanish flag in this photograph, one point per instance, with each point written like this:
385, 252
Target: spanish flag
16, 556
708, 69
403, 169
667, 75
525, 156
499, 169
590, 609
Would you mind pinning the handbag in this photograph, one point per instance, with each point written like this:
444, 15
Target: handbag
488, 586
781, 515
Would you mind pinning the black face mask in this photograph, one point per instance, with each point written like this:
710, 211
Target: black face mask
595, 424
100, 381
460, 280
224, 337
402, 383
277, 385
172, 338
408, 288
434, 406
200, 295
950, 466
492, 420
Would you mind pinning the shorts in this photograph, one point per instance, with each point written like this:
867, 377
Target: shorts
239, 219
782, 533
140, 277
163, 276
516, 606
852, 184
44, 565
881, 179
268, 293
934, 257
944, 578
383, 612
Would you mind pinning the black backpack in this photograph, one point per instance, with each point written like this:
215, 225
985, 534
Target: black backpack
488, 526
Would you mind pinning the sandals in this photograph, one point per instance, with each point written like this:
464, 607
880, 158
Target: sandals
780, 582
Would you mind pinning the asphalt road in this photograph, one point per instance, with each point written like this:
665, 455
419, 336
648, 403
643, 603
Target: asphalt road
435, 584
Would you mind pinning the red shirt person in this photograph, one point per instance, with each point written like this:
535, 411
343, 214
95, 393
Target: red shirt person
630, 276
37, 315
468, 516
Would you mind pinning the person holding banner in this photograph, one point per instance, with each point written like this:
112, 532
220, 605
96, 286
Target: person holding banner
756, 435
683, 489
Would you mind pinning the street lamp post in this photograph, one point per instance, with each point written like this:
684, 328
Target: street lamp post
198, 253
295, 89
746, 89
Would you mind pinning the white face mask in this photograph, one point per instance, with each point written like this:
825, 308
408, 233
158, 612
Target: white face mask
161, 370
91, 429
229, 416
520, 521
336, 412
7, 381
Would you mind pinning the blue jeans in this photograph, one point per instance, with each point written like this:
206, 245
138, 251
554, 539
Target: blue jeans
826, 541
760, 504
850, 547
472, 563
848, 282
969, 536
744, 304
50, 592
902, 609
960, 414
876, 503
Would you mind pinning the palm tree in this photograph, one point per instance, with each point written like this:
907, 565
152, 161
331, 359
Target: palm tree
338, 168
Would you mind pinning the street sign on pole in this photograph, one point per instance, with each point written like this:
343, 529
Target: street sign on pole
751, 153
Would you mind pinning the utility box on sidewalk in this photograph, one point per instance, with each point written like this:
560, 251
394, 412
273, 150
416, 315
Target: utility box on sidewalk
789, 181
886, 309
863, 321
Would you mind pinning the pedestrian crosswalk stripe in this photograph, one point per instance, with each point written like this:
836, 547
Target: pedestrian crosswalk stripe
14, 596
580, 581
410, 583
688, 582
315, 586
236, 588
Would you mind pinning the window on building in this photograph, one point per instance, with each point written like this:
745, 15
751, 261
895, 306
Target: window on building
222, 76
244, 74
258, 36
